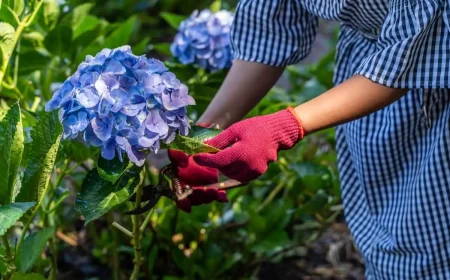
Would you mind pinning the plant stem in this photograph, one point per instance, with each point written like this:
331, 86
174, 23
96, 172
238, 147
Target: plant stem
47, 218
26, 227
271, 196
54, 252
114, 250
146, 221
9, 258
137, 236
36, 208
122, 229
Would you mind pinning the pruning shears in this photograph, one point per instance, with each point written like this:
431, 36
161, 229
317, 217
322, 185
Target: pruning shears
169, 185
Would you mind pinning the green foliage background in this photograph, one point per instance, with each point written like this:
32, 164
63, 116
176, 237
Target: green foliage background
274, 218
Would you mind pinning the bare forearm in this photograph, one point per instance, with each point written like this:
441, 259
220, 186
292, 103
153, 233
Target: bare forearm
355, 98
245, 85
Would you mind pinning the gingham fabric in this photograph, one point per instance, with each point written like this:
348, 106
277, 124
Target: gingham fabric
394, 164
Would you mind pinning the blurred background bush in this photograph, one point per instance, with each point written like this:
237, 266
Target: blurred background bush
286, 225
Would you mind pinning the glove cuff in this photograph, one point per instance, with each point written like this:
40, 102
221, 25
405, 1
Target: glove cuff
287, 128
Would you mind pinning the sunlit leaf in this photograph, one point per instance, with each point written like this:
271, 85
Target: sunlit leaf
7, 15
50, 12
11, 149
32, 248
7, 33
16, 5
216, 6
46, 135
11, 213
194, 143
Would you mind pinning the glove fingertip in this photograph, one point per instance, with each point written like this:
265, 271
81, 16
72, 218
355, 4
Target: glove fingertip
184, 205
205, 160
178, 157
222, 196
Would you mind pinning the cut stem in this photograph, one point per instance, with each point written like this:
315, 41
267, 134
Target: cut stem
122, 229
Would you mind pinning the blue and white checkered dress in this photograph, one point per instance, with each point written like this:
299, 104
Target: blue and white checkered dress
394, 164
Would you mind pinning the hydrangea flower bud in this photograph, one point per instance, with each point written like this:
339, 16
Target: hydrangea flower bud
122, 103
204, 39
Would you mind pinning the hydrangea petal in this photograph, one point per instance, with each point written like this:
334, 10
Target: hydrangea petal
156, 124
177, 99
114, 67
88, 97
102, 127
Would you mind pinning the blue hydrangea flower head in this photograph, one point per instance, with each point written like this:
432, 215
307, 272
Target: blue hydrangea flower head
204, 39
122, 103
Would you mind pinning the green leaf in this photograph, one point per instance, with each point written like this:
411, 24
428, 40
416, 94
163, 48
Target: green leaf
87, 24
77, 151
50, 12
162, 48
274, 240
16, 5
11, 149
34, 61
216, 6
313, 176
118, 37
193, 144
46, 135
111, 170
7, 15
7, 33
76, 17
32, 248
11, 213
173, 20
315, 204
141, 47
22, 276
98, 196
58, 40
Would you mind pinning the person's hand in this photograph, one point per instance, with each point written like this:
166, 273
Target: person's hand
196, 176
247, 147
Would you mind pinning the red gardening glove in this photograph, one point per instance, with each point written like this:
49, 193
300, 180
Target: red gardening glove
247, 147
196, 176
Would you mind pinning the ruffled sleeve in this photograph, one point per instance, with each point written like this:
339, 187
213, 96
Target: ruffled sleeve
276, 32
413, 49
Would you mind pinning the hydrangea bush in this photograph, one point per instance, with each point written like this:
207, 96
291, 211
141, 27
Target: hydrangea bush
122, 103
204, 39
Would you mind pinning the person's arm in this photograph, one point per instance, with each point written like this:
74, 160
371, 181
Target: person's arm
355, 98
248, 146
245, 85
